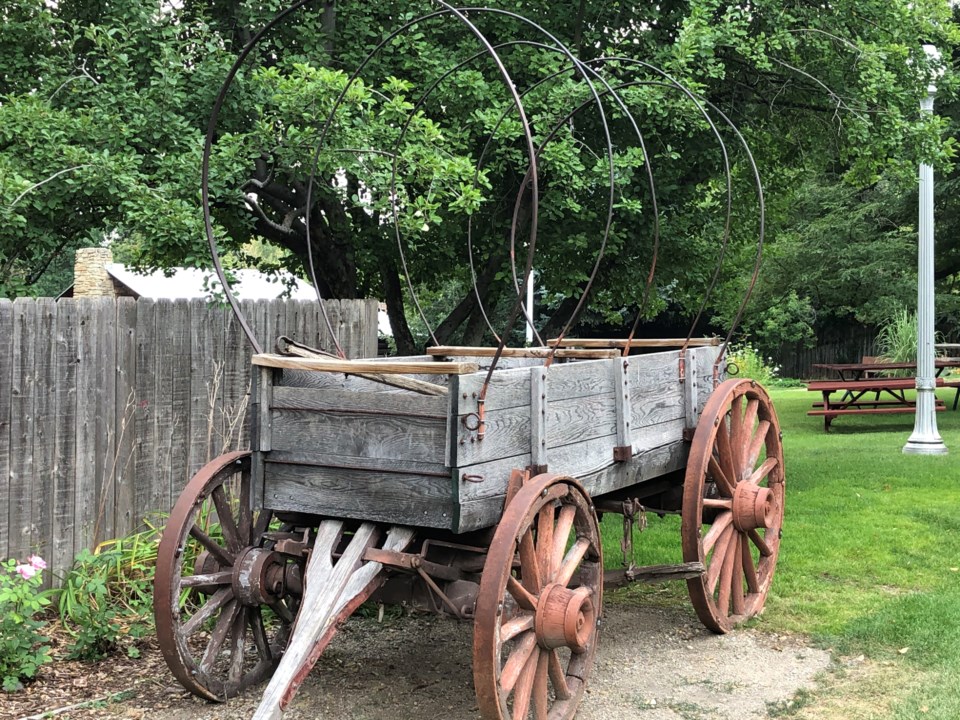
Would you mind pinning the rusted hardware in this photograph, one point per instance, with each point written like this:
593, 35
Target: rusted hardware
622, 453
467, 477
414, 562
471, 421
481, 413
633, 512
682, 360
688, 434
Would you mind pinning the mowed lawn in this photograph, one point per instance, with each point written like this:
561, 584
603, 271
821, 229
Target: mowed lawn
870, 559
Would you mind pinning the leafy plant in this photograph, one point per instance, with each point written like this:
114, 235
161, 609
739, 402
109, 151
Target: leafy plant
897, 339
23, 649
106, 597
750, 363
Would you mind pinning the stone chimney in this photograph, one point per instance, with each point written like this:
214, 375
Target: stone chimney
90, 276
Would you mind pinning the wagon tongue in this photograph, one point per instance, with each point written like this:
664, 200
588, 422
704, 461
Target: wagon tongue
332, 591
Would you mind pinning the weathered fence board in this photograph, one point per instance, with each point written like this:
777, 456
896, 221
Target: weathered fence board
108, 406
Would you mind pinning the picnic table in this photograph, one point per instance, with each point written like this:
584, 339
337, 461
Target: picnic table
888, 393
889, 397
856, 371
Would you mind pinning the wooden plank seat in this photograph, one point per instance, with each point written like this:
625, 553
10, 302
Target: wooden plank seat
867, 384
870, 411
852, 401
868, 403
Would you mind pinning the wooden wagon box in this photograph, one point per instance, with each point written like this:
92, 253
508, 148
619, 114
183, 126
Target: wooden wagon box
342, 446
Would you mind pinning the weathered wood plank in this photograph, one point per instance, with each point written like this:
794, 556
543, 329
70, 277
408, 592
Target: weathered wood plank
577, 459
363, 366
44, 438
385, 466
125, 413
86, 504
206, 378
531, 352
384, 436
106, 426
539, 402
360, 494
656, 394
236, 385
691, 389
180, 431
370, 335
287, 398
622, 403
6, 374
22, 425
162, 494
64, 465
485, 511
637, 343
509, 432
145, 469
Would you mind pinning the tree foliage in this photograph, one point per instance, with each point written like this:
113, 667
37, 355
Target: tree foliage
103, 109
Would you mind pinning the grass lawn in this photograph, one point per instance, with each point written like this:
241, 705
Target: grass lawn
870, 559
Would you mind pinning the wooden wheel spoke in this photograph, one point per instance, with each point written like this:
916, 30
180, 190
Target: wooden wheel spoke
558, 677
529, 567
545, 526
749, 418
724, 483
514, 626
259, 632
524, 688
541, 701
725, 453
726, 573
761, 543
736, 435
238, 641
223, 577
572, 561
718, 558
760, 474
524, 597
207, 610
719, 525
757, 443
516, 662
264, 519
223, 556
561, 533
737, 579
228, 525
749, 569
282, 611
219, 635
718, 503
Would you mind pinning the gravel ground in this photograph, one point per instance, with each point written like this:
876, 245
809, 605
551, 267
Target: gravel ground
653, 664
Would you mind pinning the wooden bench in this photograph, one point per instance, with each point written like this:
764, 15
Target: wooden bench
852, 402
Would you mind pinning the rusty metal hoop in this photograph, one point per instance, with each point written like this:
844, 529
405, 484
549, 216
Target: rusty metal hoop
537, 619
215, 575
734, 484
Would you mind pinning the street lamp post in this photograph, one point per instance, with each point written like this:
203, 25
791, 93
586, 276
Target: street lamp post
926, 439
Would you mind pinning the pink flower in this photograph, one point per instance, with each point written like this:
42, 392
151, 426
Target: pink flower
26, 571
38, 562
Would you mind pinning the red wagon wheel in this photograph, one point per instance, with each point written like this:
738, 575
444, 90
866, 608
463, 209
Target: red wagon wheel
538, 610
222, 612
733, 499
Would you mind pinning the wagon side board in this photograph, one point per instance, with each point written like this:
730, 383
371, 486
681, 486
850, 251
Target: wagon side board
570, 418
354, 449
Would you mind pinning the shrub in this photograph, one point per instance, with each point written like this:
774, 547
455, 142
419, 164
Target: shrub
107, 596
750, 363
23, 649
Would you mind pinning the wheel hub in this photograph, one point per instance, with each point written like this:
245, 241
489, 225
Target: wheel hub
565, 618
753, 507
258, 577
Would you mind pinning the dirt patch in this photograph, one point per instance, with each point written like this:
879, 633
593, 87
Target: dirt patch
654, 664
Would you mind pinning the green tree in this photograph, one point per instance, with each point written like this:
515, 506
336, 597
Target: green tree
103, 109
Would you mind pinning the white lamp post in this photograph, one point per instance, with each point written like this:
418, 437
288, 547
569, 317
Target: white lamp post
926, 439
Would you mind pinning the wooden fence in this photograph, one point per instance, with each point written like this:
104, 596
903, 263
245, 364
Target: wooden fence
108, 406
